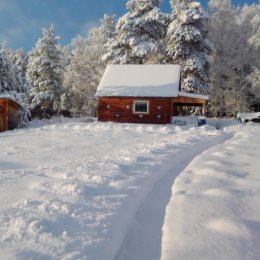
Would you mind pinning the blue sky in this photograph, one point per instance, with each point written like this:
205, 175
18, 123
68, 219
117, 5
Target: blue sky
21, 21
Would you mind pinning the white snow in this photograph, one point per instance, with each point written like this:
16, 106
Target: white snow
214, 212
76, 189
140, 80
10, 96
6, 96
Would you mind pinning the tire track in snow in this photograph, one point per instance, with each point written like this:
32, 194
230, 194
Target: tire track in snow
144, 237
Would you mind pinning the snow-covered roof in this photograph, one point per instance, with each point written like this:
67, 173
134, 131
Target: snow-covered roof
4, 96
140, 80
8, 96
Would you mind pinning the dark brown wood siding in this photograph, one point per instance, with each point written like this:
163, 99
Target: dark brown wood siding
115, 109
189, 100
9, 111
3, 115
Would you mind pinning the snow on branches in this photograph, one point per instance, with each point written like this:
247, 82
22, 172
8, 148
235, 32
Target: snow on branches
139, 34
86, 68
45, 72
188, 45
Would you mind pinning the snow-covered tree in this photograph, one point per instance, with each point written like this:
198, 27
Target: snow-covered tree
234, 59
108, 27
254, 20
45, 72
86, 68
7, 75
188, 45
19, 61
11, 85
250, 23
222, 34
254, 79
139, 34
75, 77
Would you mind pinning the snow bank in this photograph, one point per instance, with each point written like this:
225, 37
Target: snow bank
222, 123
214, 211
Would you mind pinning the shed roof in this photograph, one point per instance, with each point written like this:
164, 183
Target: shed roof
8, 96
140, 80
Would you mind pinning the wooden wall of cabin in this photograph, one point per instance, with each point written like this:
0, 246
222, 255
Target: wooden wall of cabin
9, 113
13, 113
3, 115
115, 109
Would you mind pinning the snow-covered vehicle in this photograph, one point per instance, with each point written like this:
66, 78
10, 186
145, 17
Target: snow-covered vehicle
243, 117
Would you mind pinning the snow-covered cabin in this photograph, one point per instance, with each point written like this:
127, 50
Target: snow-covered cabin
143, 94
9, 113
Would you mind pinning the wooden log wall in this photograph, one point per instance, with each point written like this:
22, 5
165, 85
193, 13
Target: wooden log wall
13, 110
9, 111
115, 109
3, 115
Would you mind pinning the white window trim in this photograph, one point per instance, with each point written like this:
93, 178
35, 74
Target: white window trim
145, 101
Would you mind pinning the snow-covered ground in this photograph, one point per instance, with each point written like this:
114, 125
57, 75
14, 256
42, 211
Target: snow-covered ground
214, 212
73, 189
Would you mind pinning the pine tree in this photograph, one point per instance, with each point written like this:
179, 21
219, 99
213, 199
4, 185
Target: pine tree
188, 45
139, 34
18, 60
45, 73
7, 75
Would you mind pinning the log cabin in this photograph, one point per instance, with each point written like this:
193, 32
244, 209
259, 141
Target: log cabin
144, 94
9, 113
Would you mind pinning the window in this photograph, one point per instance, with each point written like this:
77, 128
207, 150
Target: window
141, 107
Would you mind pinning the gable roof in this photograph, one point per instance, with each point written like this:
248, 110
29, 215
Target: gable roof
10, 97
140, 81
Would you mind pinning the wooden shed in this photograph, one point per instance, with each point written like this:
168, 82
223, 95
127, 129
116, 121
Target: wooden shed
9, 113
143, 94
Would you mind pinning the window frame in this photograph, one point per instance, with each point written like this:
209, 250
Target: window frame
143, 101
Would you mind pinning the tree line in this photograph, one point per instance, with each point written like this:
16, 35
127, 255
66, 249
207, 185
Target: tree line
218, 49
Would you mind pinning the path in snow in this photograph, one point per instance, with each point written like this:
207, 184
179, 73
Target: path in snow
144, 237
214, 211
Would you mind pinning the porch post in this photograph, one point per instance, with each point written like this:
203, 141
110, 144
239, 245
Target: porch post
203, 109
